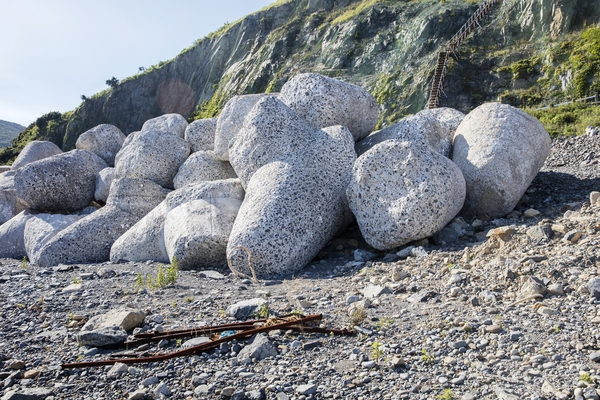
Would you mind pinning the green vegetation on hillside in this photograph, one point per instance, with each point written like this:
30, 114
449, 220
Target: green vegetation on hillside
49, 127
568, 120
8, 131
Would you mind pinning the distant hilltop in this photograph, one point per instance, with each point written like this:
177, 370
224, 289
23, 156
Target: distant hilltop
9, 131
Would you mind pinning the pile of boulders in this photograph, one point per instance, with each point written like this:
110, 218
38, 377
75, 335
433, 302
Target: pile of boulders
266, 185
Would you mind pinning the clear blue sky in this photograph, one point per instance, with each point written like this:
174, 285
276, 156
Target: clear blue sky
53, 51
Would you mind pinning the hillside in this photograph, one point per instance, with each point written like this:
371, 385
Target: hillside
8, 131
388, 47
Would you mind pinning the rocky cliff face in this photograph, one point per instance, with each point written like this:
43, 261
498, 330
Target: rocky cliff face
388, 47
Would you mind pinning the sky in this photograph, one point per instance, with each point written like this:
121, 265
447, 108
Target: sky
52, 52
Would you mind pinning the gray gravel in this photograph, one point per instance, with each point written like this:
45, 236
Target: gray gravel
500, 309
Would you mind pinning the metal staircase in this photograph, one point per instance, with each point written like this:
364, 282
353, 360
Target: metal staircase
457, 39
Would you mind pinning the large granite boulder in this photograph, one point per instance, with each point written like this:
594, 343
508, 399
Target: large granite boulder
34, 151
200, 134
174, 124
154, 155
435, 127
499, 150
295, 177
90, 239
103, 181
25, 233
230, 121
215, 205
128, 140
202, 166
403, 191
12, 243
62, 183
103, 140
9, 203
41, 228
196, 232
324, 102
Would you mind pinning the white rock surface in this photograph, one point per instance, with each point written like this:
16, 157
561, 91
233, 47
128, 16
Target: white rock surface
324, 102
90, 239
196, 232
296, 176
174, 124
231, 120
34, 151
12, 244
202, 166
62, 183
145, 240
153, 154
9, 204
403, 191
41, 228
126, 318
200, 134
103, 181
103, 140
499, 150
435, 127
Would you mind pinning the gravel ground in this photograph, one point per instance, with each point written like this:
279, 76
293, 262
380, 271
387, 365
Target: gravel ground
489, 309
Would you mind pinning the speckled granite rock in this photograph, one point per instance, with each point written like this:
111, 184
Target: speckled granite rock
174, 124
200, 134
196, 232
153, 155
403, 191
324, 102
41, 228
103, 140
499, 149
62, 183
34, 151
435, 127
12, 242
90, 239
9, 204
145, 240
231, 120
202, 166
103, 181
296, 176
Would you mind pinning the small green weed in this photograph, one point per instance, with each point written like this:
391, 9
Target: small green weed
357, 315
427, 357
24, 263
376, 350
178, 342
446, 395
385, 322
222, 313
164, 277
77, 280
262, 312
586, 377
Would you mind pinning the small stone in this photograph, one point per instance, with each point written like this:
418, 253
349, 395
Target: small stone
502, 232
363, 255
493, 328
102, 337
227, 391
259, 348
306, 390
369, 364
590, 393
16, 364
151, 380
595, 356
352, 299
211, 275
594, 197
116, 370
195, 342
405, 253
593, 287
75, 287
137, 395
162, 389
547, 311
32, 374
556, 289
572, 236
28, 394
373, 291
531, 213
244, 309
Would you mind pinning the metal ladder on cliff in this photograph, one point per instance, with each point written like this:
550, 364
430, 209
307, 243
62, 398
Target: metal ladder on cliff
455, 41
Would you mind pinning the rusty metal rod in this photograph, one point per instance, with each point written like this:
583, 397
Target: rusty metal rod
194, 349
